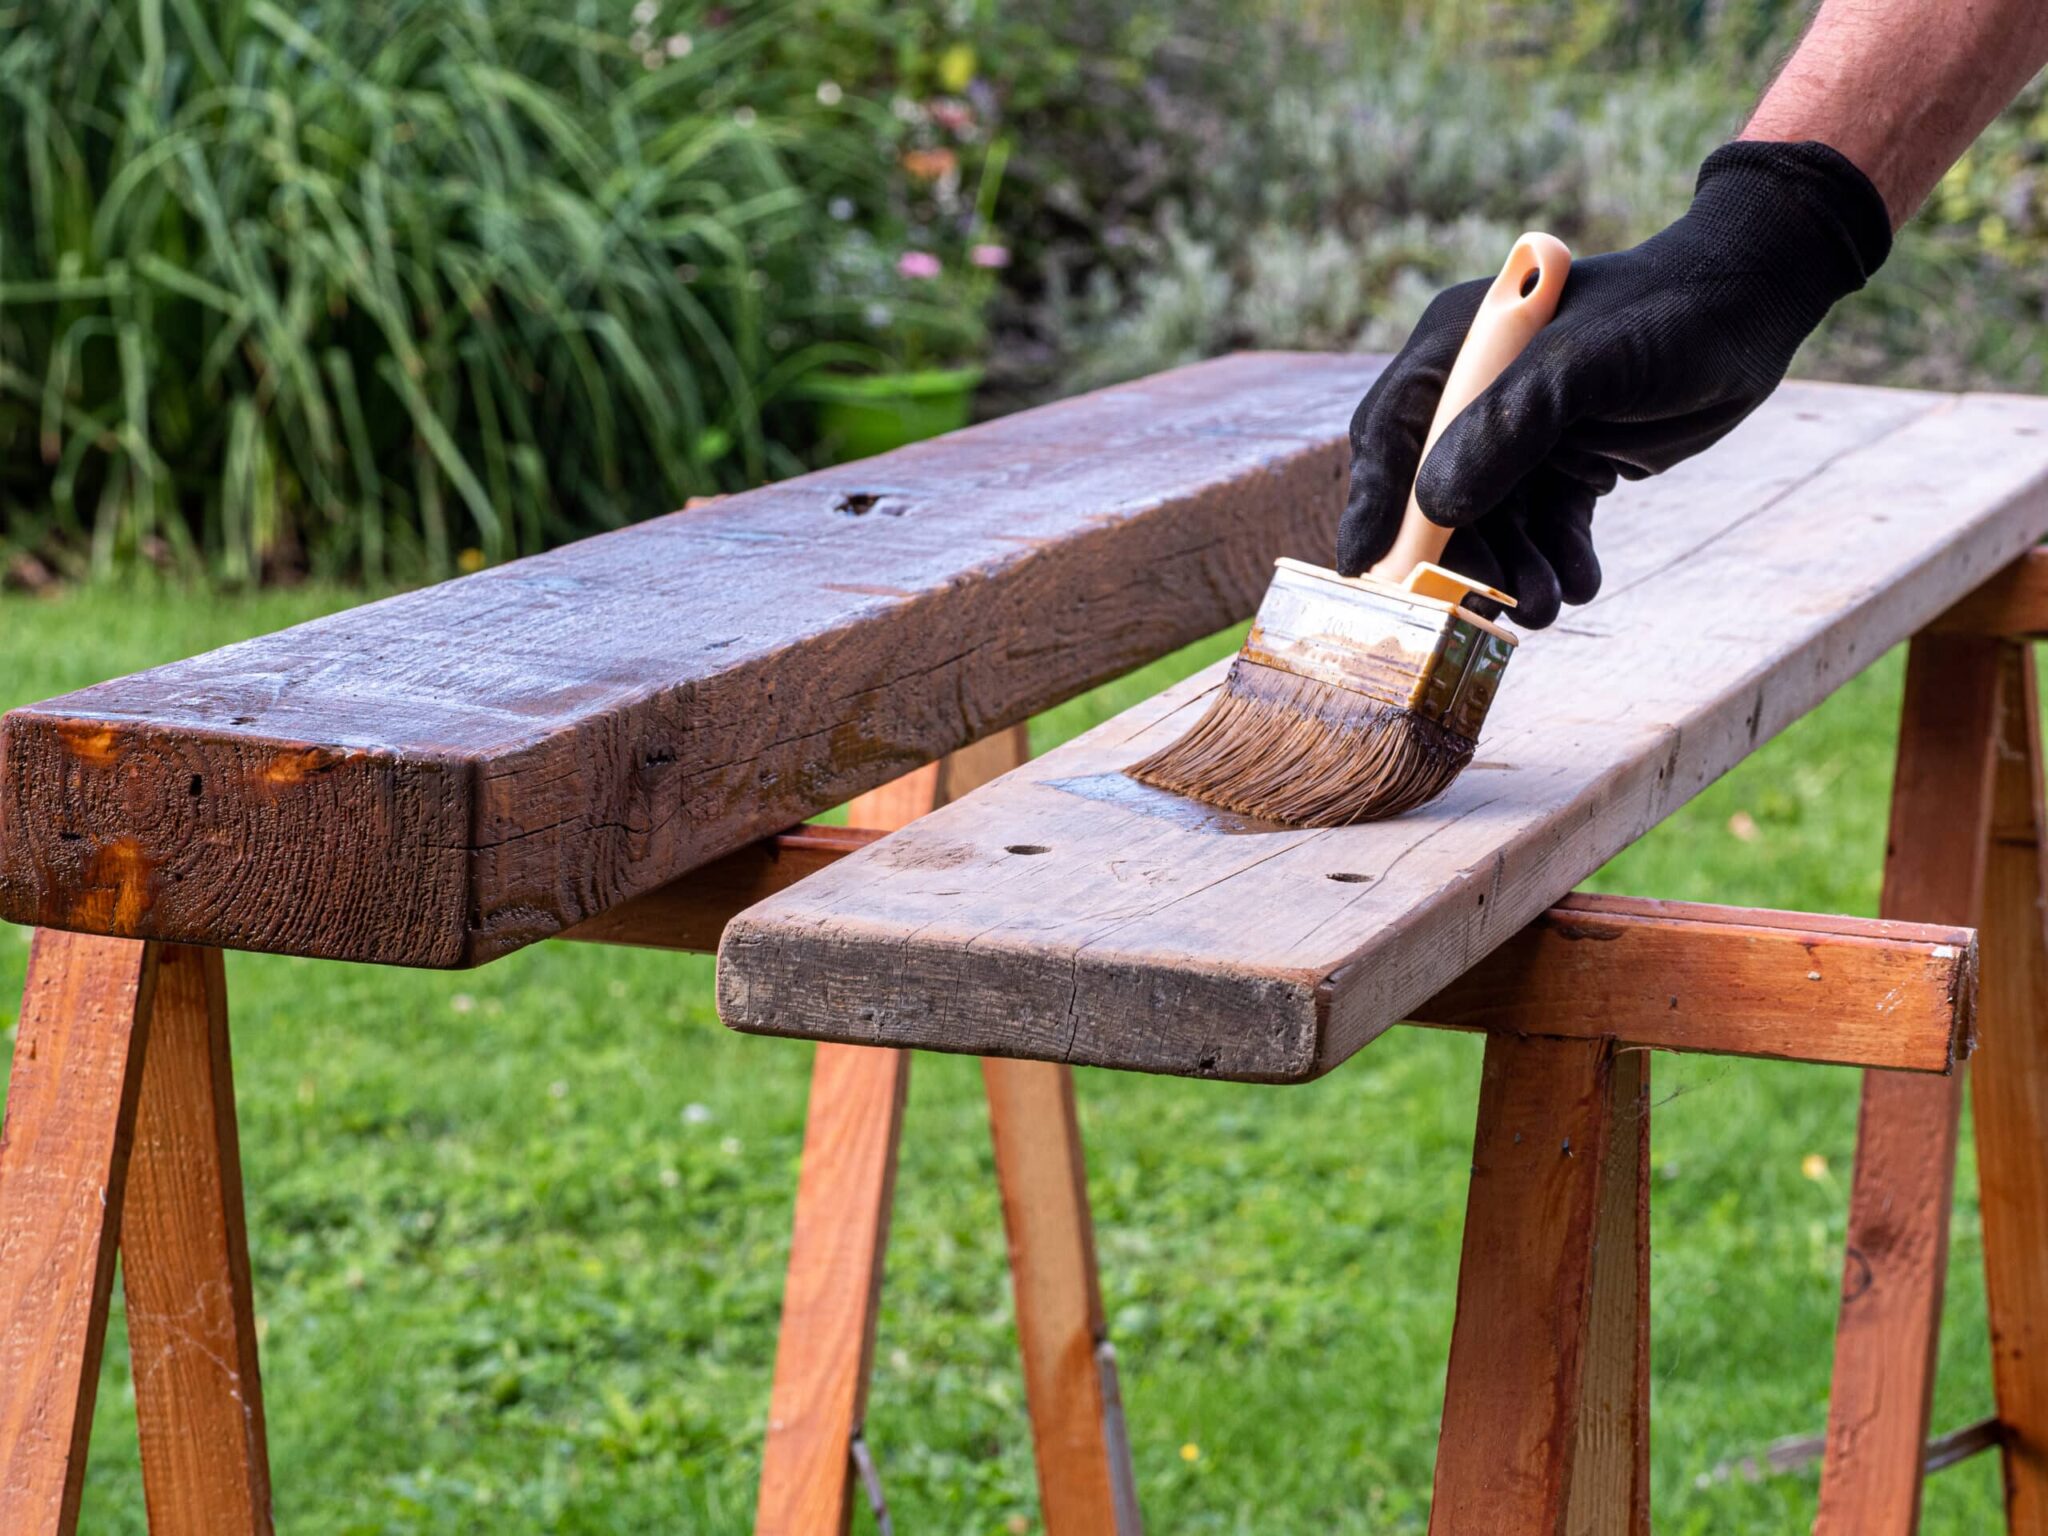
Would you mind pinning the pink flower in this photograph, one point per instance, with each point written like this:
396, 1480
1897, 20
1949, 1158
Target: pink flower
920, 264
989, 255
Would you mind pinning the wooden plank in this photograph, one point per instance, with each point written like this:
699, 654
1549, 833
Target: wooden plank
78, 1056
2009, 1091
1728, 981
1084, 1476
445, 776
1897, 1254
1155, 935
2013, 604
1680, 976
1675, 975
1523, 1346
185, 1270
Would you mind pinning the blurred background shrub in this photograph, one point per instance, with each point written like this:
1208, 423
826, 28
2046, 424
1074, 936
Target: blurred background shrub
386, 288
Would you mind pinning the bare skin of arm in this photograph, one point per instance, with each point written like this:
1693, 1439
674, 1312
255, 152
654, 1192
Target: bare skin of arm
1902, 87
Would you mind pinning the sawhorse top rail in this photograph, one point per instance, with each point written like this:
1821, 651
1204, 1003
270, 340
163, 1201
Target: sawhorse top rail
443, 777
1064, 912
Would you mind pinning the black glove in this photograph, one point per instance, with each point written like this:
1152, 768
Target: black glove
1654, 354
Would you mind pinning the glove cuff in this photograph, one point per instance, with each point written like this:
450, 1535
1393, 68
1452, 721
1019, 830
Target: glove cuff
1810, 192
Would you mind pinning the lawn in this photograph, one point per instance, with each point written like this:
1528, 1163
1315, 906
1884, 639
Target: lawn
518, 1234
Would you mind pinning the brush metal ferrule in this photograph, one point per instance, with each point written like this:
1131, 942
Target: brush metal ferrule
1389, 644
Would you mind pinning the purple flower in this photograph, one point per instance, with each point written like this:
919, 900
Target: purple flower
989, 255
919, 264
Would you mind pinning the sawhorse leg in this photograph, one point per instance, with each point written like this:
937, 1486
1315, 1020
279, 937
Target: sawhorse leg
1966, 844
1546, 1409
816, 1460
1897, 1255
120, 1131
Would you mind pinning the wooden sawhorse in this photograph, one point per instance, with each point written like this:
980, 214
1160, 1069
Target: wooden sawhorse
121, 1084
1546, 1412
536, 751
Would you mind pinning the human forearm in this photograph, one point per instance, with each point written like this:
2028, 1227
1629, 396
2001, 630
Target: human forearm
1902, 87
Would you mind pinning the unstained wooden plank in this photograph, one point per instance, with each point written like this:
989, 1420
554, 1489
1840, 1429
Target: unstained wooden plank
1066, 913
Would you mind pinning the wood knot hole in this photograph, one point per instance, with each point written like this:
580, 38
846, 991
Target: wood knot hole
1027, 848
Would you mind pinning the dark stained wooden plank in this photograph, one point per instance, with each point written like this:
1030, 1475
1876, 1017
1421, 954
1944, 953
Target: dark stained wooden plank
1727, 981
64, 1147
1899, 1202
2009, 1094
185, 1270
445, 776
1742, 589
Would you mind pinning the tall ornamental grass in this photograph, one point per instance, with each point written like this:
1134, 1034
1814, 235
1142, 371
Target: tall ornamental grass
386, 286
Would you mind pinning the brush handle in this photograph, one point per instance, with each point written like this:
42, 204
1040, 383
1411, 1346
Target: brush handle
1517, 306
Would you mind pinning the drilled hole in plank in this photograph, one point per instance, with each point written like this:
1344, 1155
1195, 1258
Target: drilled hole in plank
1027, 848
1348, 877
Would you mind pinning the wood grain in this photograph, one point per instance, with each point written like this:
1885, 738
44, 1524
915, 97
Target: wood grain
445, 776
2009, 1094
1899, 1203
1727, 981
185, 1270
78, 1057
1153, 935
1523, 1343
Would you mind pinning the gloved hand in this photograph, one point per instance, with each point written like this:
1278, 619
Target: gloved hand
1654, 354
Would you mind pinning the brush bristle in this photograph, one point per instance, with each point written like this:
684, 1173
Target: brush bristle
1289, 749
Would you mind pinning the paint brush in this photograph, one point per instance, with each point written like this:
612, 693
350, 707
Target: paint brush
1360, 697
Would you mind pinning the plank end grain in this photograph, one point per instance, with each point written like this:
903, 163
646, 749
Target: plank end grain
447, 775
1017, 1002
137, 830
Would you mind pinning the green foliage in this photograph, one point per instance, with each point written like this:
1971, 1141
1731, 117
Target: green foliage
363, 283
518, 1234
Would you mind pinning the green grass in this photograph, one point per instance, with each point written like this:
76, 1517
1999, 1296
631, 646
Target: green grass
518, 1234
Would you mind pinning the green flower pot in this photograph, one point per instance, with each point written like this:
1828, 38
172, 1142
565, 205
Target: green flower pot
864, 414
